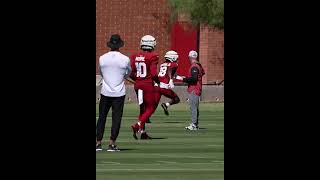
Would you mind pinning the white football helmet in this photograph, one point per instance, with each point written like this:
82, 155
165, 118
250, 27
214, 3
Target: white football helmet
171, 56
193, 54
148, 42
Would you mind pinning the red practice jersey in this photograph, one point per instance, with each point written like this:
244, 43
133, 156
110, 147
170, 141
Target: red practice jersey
165, 69
196, 87
144, 67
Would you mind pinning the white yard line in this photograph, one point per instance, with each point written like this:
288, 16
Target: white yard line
173, 156
163, 162
217, 161
109, 162
187, 115
131, 164
168, 162
181, 115
159, 169
159, 163
200, 163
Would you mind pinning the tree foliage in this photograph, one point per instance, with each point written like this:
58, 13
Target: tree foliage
210, 12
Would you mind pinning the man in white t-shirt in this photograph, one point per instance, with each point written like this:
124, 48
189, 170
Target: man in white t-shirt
115, 68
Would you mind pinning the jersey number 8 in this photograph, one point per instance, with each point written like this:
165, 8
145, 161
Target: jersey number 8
163, 71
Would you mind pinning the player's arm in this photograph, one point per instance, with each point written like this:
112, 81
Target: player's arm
194, 76
153, 69
133, 74
173, 72
170, 74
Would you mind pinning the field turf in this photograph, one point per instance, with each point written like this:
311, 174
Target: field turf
173, 154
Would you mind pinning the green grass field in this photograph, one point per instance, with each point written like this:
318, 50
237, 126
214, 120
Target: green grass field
174, 154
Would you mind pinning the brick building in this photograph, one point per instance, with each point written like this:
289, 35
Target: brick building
134, 18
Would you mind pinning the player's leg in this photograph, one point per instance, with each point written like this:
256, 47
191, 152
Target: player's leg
117, 111
157, 97
143, 132
149, 108
174, 99
139, 93
149, 100
148, 121
142, 109
152, 91
104, 107
141, 106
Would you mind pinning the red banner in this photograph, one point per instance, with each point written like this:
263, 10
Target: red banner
184, 38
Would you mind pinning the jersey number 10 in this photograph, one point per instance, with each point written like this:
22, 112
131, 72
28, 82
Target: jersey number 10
141, 69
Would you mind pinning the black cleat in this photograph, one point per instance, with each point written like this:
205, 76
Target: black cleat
98, 147
165, 108
145, 136
113, 148
148, 121
135, 129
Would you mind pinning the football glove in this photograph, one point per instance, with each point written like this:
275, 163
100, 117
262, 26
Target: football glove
171, 85
180, 77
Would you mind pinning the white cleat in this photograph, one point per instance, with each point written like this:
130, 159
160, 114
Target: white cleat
192, 127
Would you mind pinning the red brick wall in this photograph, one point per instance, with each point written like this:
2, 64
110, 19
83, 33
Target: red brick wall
132, 19
211, 54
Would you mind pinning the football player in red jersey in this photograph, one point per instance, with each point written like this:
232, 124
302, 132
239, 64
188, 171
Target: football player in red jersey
167, 71
144, 73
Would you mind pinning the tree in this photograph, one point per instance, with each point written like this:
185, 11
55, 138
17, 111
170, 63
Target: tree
210, 12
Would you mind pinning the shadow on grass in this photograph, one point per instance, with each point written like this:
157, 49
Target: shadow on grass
121, 149
152, 138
